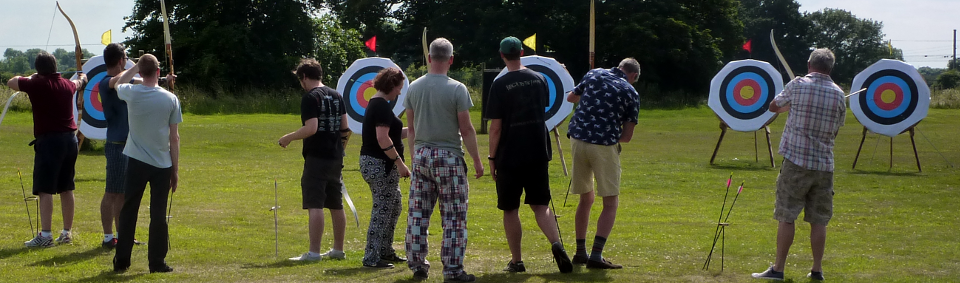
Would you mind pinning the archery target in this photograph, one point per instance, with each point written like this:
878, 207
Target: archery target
896, 98
356, 87
93, 124
559, 83
741, 94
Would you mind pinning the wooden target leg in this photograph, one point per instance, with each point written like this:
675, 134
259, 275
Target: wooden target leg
915, 155
723, 131
766, 130
891, 154
756, 150
859, 148
556, 133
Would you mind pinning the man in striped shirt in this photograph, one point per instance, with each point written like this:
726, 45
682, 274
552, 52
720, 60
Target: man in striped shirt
817, 111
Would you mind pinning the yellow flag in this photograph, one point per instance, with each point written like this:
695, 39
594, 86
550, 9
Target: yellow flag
890, 46
106, 38
531, 42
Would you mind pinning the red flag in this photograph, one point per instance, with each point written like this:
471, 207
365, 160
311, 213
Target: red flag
747, 46
372, 43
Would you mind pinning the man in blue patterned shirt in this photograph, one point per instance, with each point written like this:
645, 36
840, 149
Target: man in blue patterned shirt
605, 116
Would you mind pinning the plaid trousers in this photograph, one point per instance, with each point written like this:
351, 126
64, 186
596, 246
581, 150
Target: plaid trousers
437, 175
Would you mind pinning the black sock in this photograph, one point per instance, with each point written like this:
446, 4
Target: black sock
581, 247
597, 253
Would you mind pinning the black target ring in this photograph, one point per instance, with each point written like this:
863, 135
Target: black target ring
769, 87
911, 105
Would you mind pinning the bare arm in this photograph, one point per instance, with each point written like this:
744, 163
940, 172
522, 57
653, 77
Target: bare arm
495, 129
572, 97
627, 132
469, 135
124, 76
309, 128
174, 156
14, 83
777, 108
404, 132
411, 132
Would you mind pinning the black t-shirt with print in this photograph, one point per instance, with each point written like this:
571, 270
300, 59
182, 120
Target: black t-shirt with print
379, 114
326, 105
520, 99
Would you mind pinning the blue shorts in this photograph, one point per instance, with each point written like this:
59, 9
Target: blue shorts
116, 166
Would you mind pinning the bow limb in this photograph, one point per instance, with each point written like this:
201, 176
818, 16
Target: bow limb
346, 196
780, 56
167, 38
78, 54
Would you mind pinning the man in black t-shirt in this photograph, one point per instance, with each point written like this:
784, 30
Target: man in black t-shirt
520, 152
324, 120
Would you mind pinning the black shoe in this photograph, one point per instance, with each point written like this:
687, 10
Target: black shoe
463, 277
560, 256
602, 264
393, 258
162, 269
112, 243
420, 275
580, 259
515, 267
120, 268
769, 274
380, 264
815, 275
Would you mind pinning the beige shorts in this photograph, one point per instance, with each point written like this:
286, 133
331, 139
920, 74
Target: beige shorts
593, 160
801, 189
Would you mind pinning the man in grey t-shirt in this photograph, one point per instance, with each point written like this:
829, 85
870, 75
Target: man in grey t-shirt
153, 146
438, 115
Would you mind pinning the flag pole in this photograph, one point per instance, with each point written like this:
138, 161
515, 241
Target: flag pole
593, 34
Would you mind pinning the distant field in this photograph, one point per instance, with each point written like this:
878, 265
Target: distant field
889, 226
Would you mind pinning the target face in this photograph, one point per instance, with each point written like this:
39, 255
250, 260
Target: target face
93, 124
741, 94
356, 87
559, 82
896, 97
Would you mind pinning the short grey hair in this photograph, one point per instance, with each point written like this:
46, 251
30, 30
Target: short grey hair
630, 65
822, 59
441, 49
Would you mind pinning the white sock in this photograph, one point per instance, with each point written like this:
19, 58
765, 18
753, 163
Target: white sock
313, 254
65, 231
107, 237
45, 234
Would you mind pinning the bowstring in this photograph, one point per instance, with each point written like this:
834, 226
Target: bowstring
52, 19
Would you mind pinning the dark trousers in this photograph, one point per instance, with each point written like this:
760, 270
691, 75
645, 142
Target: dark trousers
138, 175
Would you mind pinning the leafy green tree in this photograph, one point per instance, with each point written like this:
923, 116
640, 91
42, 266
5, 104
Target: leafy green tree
227, 46
949, 79
337, 48
857, 43
790, 29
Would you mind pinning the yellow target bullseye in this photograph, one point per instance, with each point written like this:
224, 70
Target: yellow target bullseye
747, 92
368, 93
888, 96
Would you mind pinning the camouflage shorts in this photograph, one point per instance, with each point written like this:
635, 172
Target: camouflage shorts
801, 189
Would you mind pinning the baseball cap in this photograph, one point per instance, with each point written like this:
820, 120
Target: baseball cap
510, 45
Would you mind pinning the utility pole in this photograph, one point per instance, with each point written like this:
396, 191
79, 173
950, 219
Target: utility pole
955, 49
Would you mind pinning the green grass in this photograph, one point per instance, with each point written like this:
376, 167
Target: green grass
889, 226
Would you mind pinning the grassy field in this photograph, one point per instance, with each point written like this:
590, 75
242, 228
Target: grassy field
890, 225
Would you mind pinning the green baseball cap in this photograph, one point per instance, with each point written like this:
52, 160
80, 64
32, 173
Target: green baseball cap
510, 45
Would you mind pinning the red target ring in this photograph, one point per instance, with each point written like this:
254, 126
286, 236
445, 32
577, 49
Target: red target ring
361, 98
888, 96
746, 92
95, 97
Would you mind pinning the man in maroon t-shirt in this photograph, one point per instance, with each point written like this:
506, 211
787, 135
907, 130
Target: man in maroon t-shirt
55, 146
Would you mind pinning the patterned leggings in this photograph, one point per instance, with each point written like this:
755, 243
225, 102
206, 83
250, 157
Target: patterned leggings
437, 175
386, 208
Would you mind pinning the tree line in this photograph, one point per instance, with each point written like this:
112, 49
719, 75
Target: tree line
680, 44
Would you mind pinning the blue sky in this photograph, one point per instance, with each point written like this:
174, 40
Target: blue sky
922, 28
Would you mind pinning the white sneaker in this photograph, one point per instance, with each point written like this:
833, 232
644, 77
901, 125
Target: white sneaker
65, 238
39, 241
307, 256
334, 254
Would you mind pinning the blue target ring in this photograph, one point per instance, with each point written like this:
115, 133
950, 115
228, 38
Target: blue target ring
762, 92
551, 89
88, 96
355, 87
872, 90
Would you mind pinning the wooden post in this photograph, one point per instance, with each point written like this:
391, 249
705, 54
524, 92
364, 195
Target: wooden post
756, 151
556, 133
915, 155
891, 154
859, 148
769, 146
723, 131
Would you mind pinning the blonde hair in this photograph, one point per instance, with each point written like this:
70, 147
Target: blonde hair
148, 65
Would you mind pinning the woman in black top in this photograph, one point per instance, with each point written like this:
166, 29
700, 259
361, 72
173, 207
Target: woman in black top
381, 164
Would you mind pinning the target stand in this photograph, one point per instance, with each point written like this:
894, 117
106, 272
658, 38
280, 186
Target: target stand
913, 142
756, 149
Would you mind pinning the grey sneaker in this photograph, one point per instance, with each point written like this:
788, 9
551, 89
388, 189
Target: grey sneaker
815, 275
39, 241
462, 277
65, 238
334, 254
307, 257
769, 274
515, 267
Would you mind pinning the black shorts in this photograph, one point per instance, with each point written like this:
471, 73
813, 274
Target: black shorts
54, 161
513, 180
321, 183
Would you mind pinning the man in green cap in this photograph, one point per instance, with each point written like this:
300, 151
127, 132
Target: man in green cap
520, 152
